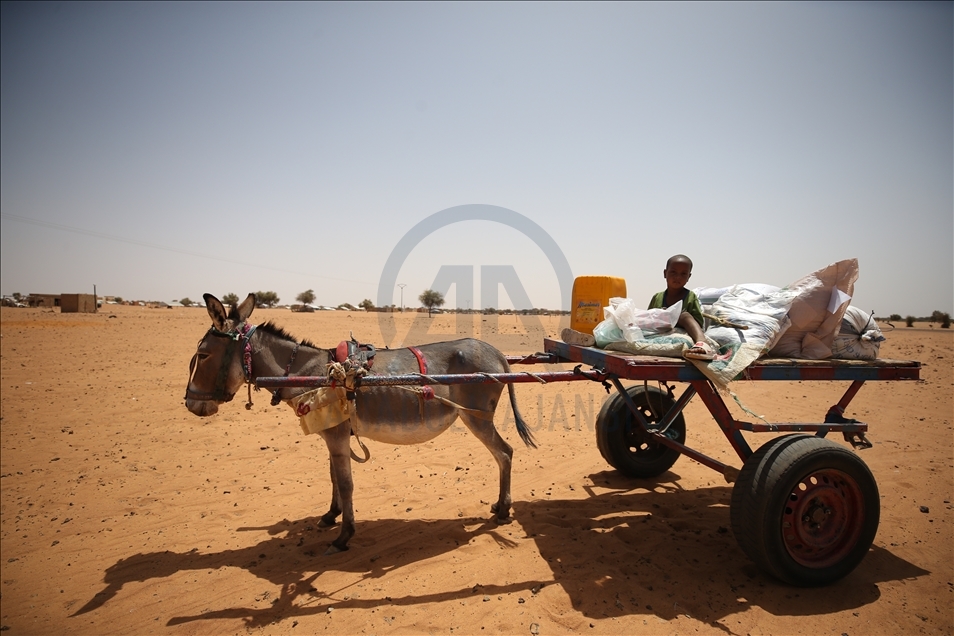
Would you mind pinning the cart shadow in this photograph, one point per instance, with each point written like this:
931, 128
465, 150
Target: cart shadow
650, 547
631, 547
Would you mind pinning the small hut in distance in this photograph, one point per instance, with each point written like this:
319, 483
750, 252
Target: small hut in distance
78, 303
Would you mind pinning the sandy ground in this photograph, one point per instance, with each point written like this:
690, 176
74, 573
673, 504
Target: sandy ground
124, 513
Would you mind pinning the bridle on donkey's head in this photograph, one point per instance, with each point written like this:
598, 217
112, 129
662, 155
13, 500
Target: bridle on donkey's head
238, 337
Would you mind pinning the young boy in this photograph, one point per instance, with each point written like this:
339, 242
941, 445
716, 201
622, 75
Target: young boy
677, 273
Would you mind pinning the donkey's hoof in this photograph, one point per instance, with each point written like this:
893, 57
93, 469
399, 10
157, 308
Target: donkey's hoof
333, 549
502, 521
326, 523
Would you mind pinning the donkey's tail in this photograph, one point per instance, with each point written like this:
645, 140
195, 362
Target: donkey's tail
522, 428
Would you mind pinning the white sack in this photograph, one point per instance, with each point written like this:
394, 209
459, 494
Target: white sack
813, 326
860, 337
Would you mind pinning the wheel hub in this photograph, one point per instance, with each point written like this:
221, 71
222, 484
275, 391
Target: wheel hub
823, 518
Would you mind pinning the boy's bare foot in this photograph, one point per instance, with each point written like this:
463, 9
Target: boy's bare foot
699, 351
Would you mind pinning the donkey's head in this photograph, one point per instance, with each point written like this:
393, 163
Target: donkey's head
217, 369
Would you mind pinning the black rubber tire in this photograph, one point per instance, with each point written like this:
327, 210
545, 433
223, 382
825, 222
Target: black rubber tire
805, 509
622, 442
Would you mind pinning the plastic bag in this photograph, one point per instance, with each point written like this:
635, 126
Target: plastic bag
606, 332
636, 323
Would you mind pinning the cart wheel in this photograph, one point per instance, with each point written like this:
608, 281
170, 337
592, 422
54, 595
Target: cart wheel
622, 442
805, 509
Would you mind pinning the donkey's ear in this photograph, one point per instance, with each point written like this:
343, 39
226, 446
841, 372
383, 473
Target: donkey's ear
245, 309
216, 311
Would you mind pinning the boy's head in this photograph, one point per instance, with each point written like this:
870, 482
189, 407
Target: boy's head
678, 271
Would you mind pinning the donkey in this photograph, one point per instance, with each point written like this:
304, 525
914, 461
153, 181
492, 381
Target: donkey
234, 352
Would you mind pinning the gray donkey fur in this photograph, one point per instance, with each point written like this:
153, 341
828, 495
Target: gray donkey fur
386, 414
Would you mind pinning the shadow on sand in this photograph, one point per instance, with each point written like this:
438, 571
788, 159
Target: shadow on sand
651, 549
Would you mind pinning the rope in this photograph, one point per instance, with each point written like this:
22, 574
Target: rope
722, 322
535, 377
744, 407
484, 415
367, 453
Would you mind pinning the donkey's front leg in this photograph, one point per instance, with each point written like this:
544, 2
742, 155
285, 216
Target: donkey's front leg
331, 517
338, 440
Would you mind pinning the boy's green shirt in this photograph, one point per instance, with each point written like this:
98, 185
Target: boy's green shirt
690, 304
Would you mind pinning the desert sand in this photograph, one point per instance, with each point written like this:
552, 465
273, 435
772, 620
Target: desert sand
123, 513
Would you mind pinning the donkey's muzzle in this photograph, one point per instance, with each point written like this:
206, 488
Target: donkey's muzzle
202, 408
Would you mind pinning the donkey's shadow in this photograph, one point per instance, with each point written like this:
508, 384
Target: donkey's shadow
292, 559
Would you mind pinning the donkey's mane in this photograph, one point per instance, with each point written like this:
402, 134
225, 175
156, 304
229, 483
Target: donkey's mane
278, 332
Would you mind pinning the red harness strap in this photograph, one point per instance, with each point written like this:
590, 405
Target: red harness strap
426, 391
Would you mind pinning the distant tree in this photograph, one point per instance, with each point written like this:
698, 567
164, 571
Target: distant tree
230, 299
945, 320
431, 299
894, 317
366, 304
347, 307
186, 302
909, 321
17, 296
118, 299
306, 297
266, 298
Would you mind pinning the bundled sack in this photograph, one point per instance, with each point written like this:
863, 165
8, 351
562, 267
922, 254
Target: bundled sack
764, 314
667, 345
709, 295
860, 337
816, 313
759, 316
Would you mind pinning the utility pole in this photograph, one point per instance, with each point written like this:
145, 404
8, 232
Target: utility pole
402, 286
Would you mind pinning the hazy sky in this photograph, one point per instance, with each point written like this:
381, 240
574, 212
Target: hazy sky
166, 150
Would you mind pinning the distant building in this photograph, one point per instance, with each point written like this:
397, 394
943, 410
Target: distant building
78, 303
43, 300
68, 303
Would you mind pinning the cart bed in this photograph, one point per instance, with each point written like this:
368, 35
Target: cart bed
635, 367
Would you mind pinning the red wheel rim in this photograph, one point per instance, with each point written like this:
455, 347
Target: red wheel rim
823, 519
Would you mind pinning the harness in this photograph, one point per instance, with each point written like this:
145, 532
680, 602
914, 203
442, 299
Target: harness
238, 338
277, 393
354, 359
427, 391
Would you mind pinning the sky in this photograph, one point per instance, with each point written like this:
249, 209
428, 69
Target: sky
165, 150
